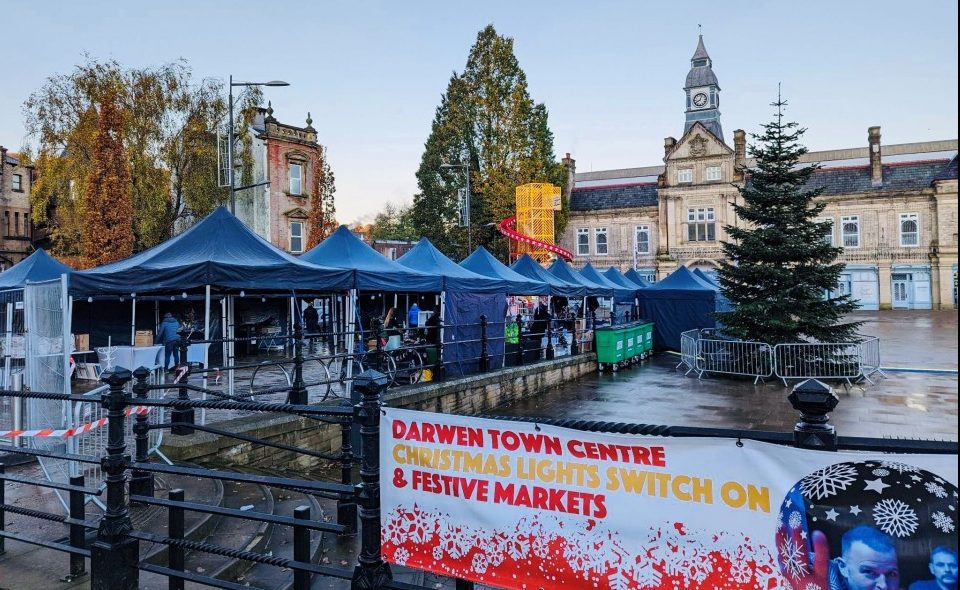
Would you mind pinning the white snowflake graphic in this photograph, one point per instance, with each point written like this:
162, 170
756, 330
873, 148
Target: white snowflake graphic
795, 520
880, 472
936, 489
618, 581
812, 586
943, 522
480, 563
400, 556
896, 518
899, 467
644, 574
740, 571
792, 560
828, 481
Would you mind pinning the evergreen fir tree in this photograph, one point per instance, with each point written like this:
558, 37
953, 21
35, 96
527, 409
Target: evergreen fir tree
488, 120
779, 267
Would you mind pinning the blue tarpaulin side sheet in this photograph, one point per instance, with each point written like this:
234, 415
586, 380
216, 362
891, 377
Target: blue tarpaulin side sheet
461, 337
680, 302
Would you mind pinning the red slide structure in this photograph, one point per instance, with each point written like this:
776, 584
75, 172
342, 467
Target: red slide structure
506, 228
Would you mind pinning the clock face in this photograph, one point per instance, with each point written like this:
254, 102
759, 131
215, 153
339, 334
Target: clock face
699, 99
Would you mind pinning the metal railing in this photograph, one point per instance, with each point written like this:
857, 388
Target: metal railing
114, 557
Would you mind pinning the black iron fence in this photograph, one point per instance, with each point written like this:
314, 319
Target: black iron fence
114, 556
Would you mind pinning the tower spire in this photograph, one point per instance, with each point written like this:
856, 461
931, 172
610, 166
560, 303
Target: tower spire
702, 91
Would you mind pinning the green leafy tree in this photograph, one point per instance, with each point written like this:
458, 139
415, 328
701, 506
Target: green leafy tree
486, 119
322, 219
170, 128
394, 222
779, 268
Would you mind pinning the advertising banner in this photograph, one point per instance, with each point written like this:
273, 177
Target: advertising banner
527, 506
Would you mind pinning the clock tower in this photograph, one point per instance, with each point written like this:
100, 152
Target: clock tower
703, 93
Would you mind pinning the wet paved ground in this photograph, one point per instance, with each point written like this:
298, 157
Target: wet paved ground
904, 404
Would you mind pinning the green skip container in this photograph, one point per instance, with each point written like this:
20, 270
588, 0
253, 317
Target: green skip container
645, 338
610, 347
630, 341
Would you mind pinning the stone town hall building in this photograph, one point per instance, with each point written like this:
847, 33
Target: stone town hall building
893, 208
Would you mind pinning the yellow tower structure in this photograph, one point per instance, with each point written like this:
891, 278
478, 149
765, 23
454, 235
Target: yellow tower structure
536, 203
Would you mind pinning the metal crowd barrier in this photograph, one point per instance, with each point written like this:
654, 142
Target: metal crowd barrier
709, 351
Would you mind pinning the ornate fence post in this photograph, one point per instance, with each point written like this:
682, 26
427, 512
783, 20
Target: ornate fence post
519, 340
346, 505
549, 353
298, 391
175, 530
183, 415
484, 357
141, 482
440, 373
301, 548
371, 571
574, 343
814, 400
78, 566
114, 556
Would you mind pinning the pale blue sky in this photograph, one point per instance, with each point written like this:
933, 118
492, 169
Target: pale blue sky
610, 73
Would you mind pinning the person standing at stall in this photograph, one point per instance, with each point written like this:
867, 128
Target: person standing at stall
167, 335
311, 324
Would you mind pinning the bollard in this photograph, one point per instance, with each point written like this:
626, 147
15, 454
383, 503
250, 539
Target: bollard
346, 503
175, 530
141, 482
371, 571
549, 353
78, 538
484, 358
114, 556
519, 340
814, 400
301, 548
298, 391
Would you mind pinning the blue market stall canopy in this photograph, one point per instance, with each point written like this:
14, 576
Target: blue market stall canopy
424, 257
634, 276
482, 262
614, 275
682, 301
621, 294
219, 251
564, 271
530, 268
706, 277
39, 266
372, 270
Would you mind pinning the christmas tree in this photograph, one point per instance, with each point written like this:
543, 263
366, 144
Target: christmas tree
781, 273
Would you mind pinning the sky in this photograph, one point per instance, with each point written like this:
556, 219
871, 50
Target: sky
610, 73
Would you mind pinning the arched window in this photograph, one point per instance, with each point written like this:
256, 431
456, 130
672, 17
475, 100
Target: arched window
909, 229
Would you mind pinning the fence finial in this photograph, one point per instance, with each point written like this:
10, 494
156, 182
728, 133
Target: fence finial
814, 400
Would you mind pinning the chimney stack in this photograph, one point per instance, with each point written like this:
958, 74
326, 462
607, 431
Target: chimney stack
668, 144
571, 165
739, 153
876, 166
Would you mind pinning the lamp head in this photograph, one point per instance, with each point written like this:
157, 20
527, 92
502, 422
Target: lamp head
276, 83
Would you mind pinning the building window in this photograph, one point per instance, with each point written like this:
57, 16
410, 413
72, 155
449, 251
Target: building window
909, 229
16, 224
701, 225
296, 236
18, 182
600, 241
642, 242
296, 179
828, 233
713, 172
685, 175
850, 227
583, 241
6, 223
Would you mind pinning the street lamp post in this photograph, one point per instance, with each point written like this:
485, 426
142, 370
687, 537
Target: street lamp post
230, 138
466, 201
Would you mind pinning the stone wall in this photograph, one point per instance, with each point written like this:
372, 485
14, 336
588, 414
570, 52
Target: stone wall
467, 395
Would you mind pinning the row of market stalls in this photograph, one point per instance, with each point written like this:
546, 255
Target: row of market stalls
224, 282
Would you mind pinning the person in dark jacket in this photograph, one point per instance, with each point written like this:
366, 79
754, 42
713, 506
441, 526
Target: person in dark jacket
167, 335
541, 317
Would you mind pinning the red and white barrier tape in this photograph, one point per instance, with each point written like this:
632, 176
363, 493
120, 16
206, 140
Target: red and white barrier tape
69, 432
